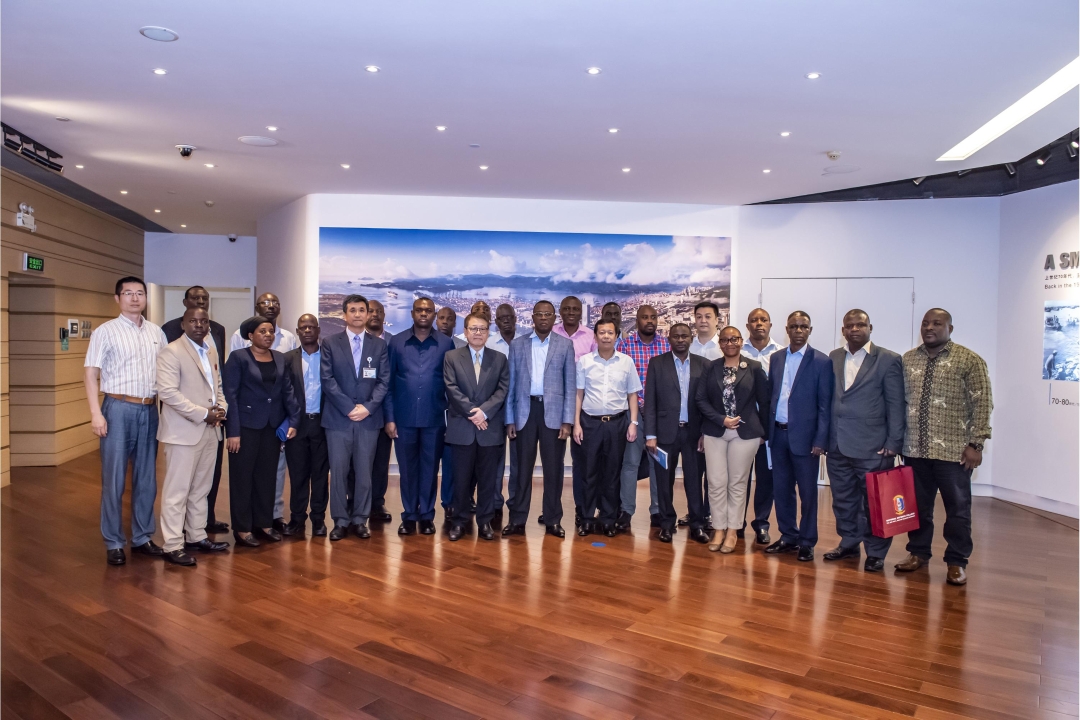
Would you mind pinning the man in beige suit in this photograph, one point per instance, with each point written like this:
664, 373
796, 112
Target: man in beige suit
189, 386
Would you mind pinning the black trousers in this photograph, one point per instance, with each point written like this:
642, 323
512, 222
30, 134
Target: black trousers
685, 446
211, 497
530, 436
954, 483
850, 503
253, 479
380, 472
475, 466
577, 474
763, 491
703, 483
604, 444
309, 470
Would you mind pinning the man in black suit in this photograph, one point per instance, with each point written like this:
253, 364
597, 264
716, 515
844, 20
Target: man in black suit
197, 296
477, 380
380, 471
355, 376
306, 454
866, 433
673, 424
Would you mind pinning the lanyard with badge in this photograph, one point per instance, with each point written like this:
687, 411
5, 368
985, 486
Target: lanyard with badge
368, 373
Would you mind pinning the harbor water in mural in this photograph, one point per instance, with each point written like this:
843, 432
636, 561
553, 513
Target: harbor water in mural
1061, 340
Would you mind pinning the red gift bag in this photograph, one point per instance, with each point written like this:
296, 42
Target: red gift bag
892, 501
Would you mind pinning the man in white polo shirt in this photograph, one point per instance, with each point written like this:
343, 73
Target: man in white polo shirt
121, 362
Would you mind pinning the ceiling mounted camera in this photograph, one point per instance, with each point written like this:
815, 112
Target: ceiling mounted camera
833, 154
185, 150
232, 237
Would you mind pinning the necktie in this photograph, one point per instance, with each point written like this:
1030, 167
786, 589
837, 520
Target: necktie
476, 364
357, 351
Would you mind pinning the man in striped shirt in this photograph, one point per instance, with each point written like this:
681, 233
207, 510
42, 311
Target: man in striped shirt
121, 362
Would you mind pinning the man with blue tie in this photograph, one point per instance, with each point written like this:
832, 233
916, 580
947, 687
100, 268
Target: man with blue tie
355, 375
540, 412
802, 389
415, 409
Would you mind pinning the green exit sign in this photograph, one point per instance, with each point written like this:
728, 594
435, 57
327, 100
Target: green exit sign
33, 263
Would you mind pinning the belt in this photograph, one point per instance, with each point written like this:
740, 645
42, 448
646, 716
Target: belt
608, 418
683, 424
782, 426
132, 399
312, 416
538, 398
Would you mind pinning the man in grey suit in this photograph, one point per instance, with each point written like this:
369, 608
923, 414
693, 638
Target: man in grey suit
540, 411
476, 382
866, 433
355, 372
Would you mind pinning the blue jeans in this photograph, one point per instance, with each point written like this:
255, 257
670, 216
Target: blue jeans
131, 435
628, 478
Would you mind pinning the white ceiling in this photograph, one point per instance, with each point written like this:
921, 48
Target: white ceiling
699, 91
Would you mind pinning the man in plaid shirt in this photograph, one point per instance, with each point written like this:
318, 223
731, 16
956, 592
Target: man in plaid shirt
642, 346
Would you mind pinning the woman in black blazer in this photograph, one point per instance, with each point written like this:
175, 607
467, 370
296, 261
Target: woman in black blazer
733, 397
259, 390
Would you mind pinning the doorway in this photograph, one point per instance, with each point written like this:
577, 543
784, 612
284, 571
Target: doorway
228, 306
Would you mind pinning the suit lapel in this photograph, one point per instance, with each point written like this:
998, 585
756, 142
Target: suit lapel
865, 368
194, 355
806, 357
838, 365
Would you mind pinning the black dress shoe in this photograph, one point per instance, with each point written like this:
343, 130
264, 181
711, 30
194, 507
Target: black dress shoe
841, 552
740, 533
318, 529
245, 539
684, 520
338, 533
874, 564
556, 530
456, 532
781, 546
540, 519
427, 527
806, 553
147, 548
270, 534
485, 532
762, 537
665, 535
178, 557
217, 527
610, 531
585, 528
207, 545
578, 519
654, 520
513, 529
115, 556
699, 535
280, 525
295, 527
407, 527
360, 530
622, 523
380, 514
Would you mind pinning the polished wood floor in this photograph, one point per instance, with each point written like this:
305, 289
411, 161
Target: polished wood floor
533, 627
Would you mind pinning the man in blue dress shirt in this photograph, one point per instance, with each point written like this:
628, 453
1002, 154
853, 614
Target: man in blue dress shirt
415, 410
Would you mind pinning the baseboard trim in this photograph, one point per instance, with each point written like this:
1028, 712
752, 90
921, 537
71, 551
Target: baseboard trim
1026, 499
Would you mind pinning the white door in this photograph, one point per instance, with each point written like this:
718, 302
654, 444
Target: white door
888, 301
228, 306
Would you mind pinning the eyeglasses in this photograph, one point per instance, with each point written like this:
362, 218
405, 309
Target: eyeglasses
730, 341
133, 294
268, 303
477, 328
544, 314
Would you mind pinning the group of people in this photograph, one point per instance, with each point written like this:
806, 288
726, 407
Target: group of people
735, 411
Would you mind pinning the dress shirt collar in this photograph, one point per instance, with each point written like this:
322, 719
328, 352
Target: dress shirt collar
537, 341
577, 333
861, 352
770, 347
681, 362
473, 352
801, 352
307, 354
204, 347
599, 358
353, 336
137, 325
943, 351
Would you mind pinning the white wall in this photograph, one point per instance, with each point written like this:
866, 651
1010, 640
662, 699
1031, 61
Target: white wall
209, 260
1036, 461
285, 246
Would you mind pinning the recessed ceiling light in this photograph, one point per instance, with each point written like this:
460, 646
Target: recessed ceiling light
182, 225
63, 119
785, 133
209, 165
474, 146
160, 71
766, 171
593, 70
153, 32
1054, 87
813, 75
626, 169
272, 128
440, 128
79, 167
345, 165
613, 130
372, 68
123, 192
257, 140
483, 167
156, 210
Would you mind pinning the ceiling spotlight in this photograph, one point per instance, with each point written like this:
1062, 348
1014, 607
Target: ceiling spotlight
1075, 140
372, 68
626, 169
1041, 160
440, 128
123, 192
1071, 149
152, 32
79, 167
785, 133
1010, 168
209, 165
183, 225
613, 130
209, 203
272, 128
813, 75
156, 210
63, 119
962, 173
160, 71
474, 146
593, 70
766, 171
483, 167
918, 180
345, 166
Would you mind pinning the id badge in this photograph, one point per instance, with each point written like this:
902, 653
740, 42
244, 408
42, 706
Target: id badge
369, 373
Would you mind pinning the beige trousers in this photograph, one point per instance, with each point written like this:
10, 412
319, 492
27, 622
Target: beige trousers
728, 460
189, 473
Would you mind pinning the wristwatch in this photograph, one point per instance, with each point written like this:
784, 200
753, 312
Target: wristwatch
976, 446
634, 422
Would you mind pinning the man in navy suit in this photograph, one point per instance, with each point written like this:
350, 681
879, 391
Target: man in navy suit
802, 389
355, 373
540, 412
415, 414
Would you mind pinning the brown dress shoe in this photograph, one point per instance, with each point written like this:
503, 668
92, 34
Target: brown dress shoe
957, 575
910, 564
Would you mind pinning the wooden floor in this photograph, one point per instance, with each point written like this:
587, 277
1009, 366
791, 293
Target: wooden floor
529, 628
